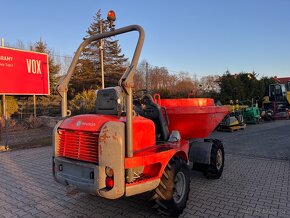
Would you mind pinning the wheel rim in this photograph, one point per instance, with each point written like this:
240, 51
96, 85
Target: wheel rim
179, 187
219, 159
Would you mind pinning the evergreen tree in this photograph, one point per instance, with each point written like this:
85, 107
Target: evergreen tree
231, 87
88, 73
243, 86
54, 68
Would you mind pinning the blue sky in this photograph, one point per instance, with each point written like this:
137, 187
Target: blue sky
204, 37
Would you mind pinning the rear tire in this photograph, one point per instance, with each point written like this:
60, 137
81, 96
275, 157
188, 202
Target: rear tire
215, 169
172, 193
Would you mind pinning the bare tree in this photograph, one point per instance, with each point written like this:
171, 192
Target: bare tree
159, 78
140, 76
210, 83
186, 85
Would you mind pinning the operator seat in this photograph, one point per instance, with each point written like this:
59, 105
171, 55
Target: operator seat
153, 112
109, 101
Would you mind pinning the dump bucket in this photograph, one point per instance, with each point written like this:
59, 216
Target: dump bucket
193, 117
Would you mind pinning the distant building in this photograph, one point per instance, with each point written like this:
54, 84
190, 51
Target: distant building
283, 80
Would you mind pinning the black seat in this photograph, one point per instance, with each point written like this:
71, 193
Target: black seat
153, 112
109, 101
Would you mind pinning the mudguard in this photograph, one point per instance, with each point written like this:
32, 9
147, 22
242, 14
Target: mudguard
200, 152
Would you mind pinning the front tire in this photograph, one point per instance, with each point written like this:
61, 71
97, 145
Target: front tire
215, 169
172, 193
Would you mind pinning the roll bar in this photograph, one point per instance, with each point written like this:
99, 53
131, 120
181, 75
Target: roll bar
126, 81
127, 78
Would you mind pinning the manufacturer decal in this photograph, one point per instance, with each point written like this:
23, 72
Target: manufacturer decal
79, 123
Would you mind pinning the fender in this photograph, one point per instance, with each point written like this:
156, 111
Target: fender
200, 152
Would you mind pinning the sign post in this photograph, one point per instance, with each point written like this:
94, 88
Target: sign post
5, 111
5, 120
34, 105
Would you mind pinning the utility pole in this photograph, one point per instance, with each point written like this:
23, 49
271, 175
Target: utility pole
147, 75
101, 47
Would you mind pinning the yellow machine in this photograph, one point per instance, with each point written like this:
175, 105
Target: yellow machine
233, 121
278, 100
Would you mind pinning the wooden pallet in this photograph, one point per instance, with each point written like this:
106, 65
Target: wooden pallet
231, 128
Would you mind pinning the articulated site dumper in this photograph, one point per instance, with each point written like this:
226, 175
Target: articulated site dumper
125, 149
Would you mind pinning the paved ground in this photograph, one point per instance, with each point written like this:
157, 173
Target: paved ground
269, 140
256, 182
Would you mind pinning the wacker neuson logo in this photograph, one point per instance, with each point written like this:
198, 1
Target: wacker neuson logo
80, 123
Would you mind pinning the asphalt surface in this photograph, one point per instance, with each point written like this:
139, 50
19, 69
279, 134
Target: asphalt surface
255, 182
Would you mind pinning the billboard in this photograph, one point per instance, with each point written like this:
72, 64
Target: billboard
23, 72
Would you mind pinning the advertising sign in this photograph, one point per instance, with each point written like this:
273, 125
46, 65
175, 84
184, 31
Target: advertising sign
23, 72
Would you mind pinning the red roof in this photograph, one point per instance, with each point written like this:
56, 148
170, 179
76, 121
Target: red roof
282, 80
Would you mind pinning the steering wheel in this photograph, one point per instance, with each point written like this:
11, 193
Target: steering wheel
146, 99
148, 102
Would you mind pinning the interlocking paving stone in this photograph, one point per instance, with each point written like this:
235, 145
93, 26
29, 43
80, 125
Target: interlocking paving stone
268, 140
252, 185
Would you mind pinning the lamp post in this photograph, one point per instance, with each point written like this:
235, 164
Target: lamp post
101, 47
110, 18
